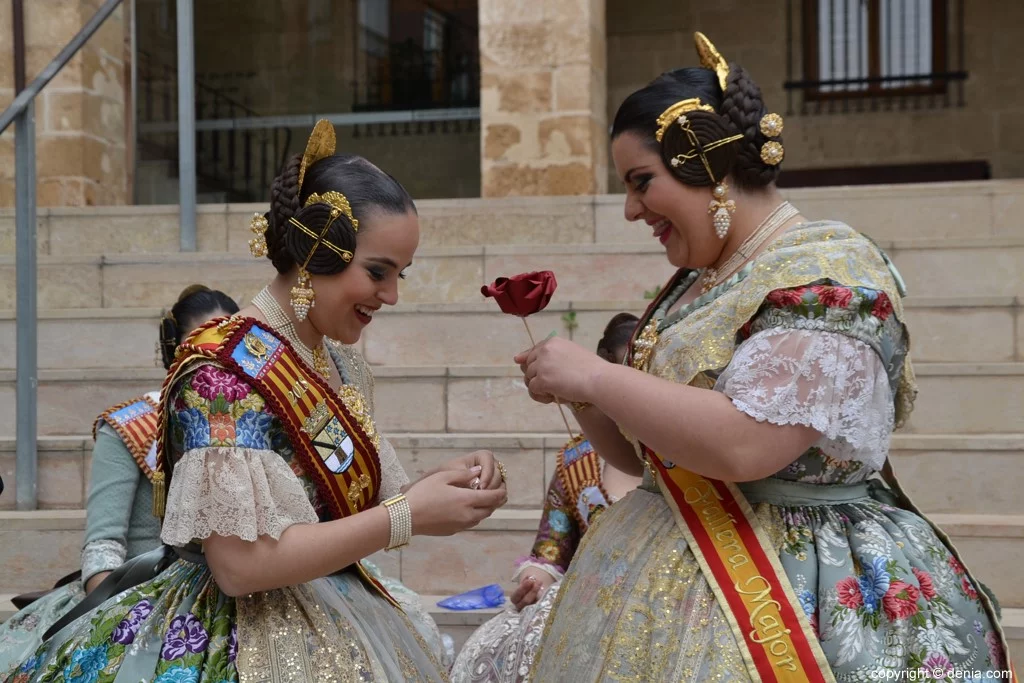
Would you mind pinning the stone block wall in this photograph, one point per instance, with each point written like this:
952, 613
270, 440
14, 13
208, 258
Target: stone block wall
81, 153
542, 91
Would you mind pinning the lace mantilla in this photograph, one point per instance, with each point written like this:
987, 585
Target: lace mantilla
825, 380
239, 492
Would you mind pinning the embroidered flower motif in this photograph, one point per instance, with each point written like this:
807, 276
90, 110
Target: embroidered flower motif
882, 307
252, 430
835, 297
785, 297
849, 594
955, 565
126, 630
995, 650
210, 382
222, 429
86, 665
978, 628
900, 601
938, 665
874, 584
179, 674
194, 427
233, 643
969, 591
558, 521
186, 634
924, 580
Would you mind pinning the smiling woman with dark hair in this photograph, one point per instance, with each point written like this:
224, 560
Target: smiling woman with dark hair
271, 478
769, 539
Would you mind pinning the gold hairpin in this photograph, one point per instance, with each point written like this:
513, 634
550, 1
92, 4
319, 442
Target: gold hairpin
337, 201
321, 144
345, 254
673, 113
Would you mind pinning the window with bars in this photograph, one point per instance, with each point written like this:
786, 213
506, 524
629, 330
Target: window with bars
875, 50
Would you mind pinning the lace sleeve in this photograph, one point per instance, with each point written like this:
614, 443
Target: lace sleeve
233, 492
392, 474
826, 380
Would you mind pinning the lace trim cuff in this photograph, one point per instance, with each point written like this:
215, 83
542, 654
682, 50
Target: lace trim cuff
233, 492
102, 556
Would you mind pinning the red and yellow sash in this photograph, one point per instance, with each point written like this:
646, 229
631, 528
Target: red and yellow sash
136, 422
774, 635
333, 435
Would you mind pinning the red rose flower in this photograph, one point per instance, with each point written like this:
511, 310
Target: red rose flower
900, 601
522, 294
955, 565
849, 593
785, 297
835, 297
882, 308
924, 580
968, 588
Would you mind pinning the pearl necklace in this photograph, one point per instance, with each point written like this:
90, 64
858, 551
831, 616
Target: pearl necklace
318, 358
776, 219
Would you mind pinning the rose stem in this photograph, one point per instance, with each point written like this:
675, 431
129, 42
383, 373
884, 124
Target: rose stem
561, 411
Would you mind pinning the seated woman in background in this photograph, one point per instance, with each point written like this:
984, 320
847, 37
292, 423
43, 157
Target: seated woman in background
119, 513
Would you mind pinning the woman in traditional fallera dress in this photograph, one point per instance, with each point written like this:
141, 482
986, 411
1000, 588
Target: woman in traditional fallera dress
770, 539
119, 513
277, 482
581, 488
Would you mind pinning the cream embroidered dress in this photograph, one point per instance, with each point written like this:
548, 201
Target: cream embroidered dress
234, 474
809, 334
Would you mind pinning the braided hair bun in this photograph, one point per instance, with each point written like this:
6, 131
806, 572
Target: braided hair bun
736, 111
368, 190
195, 305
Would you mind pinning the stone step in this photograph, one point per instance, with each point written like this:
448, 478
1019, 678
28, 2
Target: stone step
970, 398
37, 548
587, 272
943, 329
920, 211
924, 463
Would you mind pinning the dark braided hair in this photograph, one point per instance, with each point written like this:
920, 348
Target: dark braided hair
617, 334
736, 111
367, 188
194, 306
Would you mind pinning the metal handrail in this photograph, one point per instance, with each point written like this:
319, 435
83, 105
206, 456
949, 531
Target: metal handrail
63, 57
21, 112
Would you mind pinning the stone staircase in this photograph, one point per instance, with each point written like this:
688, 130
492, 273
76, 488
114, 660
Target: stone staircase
442, 357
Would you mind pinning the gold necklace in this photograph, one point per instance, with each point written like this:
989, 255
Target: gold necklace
318, 358
772, 222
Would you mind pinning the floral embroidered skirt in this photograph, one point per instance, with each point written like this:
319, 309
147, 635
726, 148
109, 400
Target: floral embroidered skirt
879, 587
22, 634
179, 628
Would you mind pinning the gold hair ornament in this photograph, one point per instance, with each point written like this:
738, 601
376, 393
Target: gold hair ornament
772, 152
258, 225
303, 298
321, 144
676, 112
711, 58
336, 200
